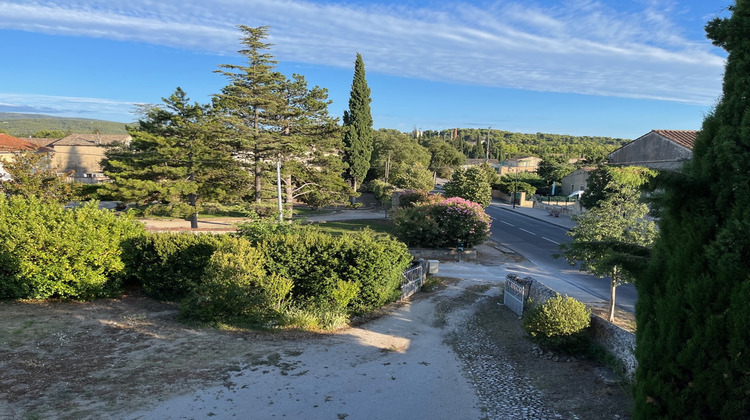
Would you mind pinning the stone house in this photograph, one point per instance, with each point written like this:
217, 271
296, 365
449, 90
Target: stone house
657, 149
9, 146
81, 154
520, 164
576, 180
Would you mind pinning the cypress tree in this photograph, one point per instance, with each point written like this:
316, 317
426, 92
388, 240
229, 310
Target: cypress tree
694, 300
358, 124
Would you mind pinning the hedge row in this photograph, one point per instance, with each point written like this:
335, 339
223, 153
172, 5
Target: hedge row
47, 251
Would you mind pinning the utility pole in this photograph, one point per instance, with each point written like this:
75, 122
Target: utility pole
278, 188
487, 152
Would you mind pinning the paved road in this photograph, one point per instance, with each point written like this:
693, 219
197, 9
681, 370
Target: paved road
538, 240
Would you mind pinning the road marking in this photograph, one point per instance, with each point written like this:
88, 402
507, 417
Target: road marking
503, 221
528, 231
556, 243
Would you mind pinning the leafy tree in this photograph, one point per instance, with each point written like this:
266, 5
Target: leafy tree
471, 184
445, 158
606, 180
692, 311
252, 107
553, 168
358, 125
32, 176
176, 157
510, 183
612, 239
415, 177
50, 134
394, 154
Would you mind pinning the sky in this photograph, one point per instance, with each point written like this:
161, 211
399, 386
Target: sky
616, 68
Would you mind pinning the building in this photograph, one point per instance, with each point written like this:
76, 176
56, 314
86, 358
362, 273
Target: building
657, 149
576, 180
520, 164
9, 146
81, 155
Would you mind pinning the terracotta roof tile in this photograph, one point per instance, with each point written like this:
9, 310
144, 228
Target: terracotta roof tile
91, 139
13, 144
685, 138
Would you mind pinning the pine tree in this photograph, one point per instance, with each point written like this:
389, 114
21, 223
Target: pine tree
175, 158
252, 106
358, 125
693, 312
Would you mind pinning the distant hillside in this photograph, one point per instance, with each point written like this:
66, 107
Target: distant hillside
25, 125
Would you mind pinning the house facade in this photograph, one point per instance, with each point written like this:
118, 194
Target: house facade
576, 180
658, 150
9, 146
81, 154
521, 164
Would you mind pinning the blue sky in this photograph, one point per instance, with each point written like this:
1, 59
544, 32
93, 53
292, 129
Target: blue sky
614, 68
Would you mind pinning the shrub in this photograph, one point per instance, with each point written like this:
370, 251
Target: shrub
443, 223
471, 184
409, 197
260, 230
236, 289
383, 191
559, 322
318, 263
169, 265
47, 251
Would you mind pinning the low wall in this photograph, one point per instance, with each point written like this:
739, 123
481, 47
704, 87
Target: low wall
619, 342
443, 254
563, 208
507, 198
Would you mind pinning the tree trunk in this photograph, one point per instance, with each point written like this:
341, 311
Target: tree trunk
289, 193
612, 291
258, 180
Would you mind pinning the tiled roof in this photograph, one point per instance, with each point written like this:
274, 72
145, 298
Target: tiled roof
13, 144
91, 139
685, 138
40, 142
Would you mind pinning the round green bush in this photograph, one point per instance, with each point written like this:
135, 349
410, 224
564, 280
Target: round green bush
559, 322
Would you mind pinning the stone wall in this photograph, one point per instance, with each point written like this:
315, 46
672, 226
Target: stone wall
617, 341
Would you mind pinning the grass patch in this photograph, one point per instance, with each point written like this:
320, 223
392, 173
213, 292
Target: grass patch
339, 228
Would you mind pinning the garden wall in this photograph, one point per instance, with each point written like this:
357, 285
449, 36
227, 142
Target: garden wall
619, 342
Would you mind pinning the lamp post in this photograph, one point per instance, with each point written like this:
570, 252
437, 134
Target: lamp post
515, 187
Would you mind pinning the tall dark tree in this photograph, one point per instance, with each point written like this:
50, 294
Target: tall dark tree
252, 107
693, 313
176, 157
358, 126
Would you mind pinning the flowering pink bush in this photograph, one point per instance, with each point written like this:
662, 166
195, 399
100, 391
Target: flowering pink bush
443, 222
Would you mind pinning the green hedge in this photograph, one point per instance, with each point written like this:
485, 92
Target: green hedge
236, 289
169, 265
47, 251
559, 322
318, 262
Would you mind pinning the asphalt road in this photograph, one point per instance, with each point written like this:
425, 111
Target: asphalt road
538, 241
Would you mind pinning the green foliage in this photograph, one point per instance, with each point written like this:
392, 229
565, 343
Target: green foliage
316, 262
31, 176
410, 197
613, 239
25, 125
169, 265
176, 158
358, 127
260, 230
442, 223
471, 184
510, 183
444, 157
382, 190
416, 177
692, 312
396, 154
235, 289
47, 251
607, 180
553, 168
559, 322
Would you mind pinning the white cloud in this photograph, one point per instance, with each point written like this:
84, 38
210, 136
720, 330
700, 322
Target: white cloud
577, 46
65, 106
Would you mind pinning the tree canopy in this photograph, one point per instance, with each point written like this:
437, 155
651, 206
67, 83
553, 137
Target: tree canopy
32, 176
692, 312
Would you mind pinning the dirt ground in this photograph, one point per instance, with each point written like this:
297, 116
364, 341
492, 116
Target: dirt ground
101, 359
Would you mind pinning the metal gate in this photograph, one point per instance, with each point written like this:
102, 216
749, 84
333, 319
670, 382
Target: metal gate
411, 280
513, 296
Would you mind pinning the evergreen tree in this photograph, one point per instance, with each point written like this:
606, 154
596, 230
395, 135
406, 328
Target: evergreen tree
358, 126
693, 313
471, 184
252, 107
175, 158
